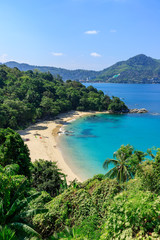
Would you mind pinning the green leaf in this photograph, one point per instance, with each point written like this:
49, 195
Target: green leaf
30, 213
24, 228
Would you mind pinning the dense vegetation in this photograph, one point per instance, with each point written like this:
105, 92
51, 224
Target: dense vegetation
138, 69
28, 96
66, 74
35, 200
47, 177
14, 151
103, 207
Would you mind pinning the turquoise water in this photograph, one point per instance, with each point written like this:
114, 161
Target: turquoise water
96, 138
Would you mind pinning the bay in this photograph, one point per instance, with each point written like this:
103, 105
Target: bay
96, 138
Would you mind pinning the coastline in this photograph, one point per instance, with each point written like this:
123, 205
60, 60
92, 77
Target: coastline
42, 140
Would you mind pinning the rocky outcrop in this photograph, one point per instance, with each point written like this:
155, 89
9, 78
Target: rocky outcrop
136, 110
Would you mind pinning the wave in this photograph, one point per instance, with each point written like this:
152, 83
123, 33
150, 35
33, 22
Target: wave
155, 114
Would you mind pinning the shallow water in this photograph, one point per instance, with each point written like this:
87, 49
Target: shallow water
96, 138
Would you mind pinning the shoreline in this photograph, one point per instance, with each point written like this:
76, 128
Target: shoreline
42, 140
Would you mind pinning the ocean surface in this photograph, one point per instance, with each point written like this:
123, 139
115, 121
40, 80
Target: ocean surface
95, 138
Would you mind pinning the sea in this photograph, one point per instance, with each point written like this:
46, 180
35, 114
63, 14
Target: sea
93, 139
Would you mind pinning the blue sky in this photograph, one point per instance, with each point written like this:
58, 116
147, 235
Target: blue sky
86, 34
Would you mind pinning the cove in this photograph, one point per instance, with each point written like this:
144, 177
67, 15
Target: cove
97, 137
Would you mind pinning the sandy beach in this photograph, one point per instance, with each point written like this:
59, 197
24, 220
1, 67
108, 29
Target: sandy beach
41, 139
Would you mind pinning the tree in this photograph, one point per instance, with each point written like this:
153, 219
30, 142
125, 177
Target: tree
92, 89
13, 150
13, 213
47, 105
47, 177
149, 172
3, 77
126, 163
73, 96
27, 96
117, 105
106, 101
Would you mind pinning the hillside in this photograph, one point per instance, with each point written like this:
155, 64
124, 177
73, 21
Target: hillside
28, 96
138, 69
76, 75
97, 209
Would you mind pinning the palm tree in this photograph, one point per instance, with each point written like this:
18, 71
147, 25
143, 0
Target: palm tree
121, 171
14, 213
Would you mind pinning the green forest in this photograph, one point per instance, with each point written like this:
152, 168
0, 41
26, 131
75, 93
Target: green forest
28, 96
36, 202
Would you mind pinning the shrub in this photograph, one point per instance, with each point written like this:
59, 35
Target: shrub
132, 214
47, 177
13, 150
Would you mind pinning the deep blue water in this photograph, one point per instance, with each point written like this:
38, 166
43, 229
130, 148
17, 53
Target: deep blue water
96, 138
134, 95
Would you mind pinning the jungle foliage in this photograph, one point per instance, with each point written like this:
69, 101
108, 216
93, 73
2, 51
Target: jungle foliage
45, 207
35, 200
28, 96
14, 151
47, 177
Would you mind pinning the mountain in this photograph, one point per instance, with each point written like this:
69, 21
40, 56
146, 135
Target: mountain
138, 69
77, 75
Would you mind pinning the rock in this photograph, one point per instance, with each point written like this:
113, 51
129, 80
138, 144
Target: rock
136, 110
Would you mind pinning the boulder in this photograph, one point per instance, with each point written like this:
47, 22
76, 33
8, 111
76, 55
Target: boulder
136, 110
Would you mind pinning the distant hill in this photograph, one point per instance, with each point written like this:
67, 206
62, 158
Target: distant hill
64, 73
138, 69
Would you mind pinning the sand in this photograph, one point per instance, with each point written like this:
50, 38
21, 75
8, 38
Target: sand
41, 139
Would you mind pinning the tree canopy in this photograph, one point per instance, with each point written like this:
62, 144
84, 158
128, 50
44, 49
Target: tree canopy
14, 151
47, 177
28, 96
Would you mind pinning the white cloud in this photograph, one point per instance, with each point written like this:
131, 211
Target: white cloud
113, 30
94, 54
92, 32
57, 54
3, 57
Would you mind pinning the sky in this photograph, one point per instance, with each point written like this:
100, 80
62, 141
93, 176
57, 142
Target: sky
78, 34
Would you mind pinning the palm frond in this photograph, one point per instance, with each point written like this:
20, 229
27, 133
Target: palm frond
109, 161
149, 151
20, 204
7, 234
18, 193
1, 169
24, 228
11, 169
29, 213
112, 173
1, 208
128, 174
13, 208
